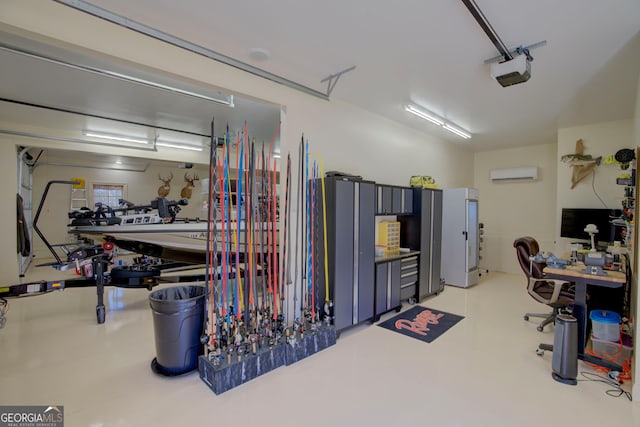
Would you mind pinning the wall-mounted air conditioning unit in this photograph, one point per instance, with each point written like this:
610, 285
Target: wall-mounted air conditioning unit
515, 174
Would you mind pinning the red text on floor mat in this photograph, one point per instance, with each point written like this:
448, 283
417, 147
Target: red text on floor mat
419, 324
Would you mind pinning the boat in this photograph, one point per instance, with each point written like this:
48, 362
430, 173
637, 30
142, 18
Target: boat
162, 234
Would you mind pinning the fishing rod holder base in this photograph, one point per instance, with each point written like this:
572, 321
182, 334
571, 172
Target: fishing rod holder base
311, 342
223, 374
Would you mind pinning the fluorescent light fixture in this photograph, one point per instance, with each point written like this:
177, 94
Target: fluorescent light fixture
178, 145
114, 137
423, 114
276, 155
457, 131
433, 118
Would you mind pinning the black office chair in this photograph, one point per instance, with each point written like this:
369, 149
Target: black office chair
557, 294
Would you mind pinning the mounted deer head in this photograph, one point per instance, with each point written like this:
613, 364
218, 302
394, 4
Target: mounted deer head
164, 189
185, 193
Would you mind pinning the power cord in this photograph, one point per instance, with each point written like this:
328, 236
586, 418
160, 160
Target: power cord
611, 379
593, 186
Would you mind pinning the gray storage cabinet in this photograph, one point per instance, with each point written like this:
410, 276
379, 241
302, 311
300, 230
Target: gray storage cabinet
423, 231
350, 249
387, 287
396, 278
392, 200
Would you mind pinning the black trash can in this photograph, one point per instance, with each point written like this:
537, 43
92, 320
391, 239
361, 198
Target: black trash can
178, 315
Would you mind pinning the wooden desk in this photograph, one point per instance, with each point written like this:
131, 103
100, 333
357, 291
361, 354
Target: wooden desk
573, 273
613, 279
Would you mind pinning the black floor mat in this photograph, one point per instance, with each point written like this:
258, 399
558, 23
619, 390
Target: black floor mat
422, 323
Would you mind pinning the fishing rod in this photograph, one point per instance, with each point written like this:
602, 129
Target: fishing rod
286, 275
297, 239
328, 302
211, 273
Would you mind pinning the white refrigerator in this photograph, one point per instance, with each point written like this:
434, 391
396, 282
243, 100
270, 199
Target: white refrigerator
460, 236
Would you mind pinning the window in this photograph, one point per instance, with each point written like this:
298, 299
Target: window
108, 194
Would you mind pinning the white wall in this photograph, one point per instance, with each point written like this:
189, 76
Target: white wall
350, 139
599, 139
510, 210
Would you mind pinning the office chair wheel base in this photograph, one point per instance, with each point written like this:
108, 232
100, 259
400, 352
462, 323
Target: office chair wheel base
526, 317
540, 328
539, 352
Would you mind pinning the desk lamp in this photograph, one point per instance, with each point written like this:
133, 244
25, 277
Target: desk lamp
592, 230
594, 260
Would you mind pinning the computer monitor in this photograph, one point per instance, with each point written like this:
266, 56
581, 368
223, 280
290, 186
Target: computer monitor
574, 221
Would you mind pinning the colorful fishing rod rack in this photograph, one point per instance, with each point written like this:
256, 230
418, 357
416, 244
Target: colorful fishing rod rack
258, 317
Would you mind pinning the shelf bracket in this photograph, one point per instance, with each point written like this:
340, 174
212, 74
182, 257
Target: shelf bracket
333, 79
515, 51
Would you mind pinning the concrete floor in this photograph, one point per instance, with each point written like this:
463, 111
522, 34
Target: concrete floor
482, 372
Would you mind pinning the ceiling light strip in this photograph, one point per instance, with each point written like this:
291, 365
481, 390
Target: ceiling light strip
114, 137
138, 140
423, 115
184, 44
177, 145
74, 140
118, 76
433, 118
458, 132
113, 168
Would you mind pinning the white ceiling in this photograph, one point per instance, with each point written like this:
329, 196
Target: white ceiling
51, 88
430, 53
